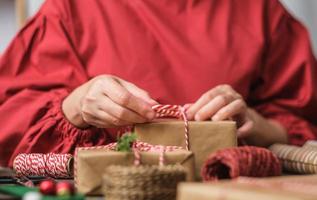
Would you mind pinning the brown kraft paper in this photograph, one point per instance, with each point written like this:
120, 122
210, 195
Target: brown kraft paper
204, 137
281, 188
91, 165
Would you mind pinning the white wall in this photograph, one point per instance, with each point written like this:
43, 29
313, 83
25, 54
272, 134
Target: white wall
7, 22
8, 25
33, 6
303, 10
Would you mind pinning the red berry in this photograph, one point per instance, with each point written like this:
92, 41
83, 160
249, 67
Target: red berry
64, 189
48, 187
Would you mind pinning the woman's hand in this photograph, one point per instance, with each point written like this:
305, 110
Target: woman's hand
108, 101
223, 102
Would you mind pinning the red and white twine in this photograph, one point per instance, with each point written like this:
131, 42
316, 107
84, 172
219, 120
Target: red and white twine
158, 148
47, 165
143, 147
175, 111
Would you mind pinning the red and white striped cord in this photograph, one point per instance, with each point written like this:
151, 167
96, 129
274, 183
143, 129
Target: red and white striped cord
37, 164
175, 111
137, 148
137, 157
159, 148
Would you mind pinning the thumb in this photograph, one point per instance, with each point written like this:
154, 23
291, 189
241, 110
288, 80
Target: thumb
138, 92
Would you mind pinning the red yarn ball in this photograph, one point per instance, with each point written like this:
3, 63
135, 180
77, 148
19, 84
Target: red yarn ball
48, 187
64, 188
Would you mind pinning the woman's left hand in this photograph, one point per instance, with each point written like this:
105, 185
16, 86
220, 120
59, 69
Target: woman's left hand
222, 103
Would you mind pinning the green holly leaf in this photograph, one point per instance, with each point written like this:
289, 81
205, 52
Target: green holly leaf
125, 142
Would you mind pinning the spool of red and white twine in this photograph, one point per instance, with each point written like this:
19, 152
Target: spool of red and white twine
175, 111
46, 165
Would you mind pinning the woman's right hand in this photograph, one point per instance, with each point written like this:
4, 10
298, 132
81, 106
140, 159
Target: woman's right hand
107, 101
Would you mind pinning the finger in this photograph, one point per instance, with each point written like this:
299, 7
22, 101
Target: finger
101, 124
245, 129
104, 120
227, 89
211, 108
123, 97
108, 106
187, 106
234, 108
89, 105
202, 101
138, 92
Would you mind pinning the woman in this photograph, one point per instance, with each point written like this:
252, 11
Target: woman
77, 69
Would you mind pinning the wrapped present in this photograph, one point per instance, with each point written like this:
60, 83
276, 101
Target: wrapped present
281, 188
301, 160
203, 138
91, 163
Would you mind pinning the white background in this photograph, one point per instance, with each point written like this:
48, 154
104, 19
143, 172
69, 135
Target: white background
304, 10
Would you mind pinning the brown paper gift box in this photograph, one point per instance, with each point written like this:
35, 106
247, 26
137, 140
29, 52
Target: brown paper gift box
90, 165
282, 188
204, 137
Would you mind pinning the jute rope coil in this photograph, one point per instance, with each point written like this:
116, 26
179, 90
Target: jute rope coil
142, 182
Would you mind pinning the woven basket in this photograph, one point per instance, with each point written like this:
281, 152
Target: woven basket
142, 182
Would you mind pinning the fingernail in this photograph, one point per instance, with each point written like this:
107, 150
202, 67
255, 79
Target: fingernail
150, 115
187, 106
197, 118
152, 102
189, 115
215, 118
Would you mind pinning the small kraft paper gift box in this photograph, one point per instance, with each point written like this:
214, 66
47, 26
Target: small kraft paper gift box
91, 163
280, 188
204, 137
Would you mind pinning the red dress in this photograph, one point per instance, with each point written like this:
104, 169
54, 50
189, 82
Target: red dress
174, 49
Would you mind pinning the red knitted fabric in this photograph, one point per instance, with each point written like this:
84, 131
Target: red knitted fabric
240, 161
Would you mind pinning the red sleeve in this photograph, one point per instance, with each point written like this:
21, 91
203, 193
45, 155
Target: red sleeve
37, 71
287, 89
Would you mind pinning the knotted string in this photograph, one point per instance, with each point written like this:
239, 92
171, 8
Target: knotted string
138, 147
175, 111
